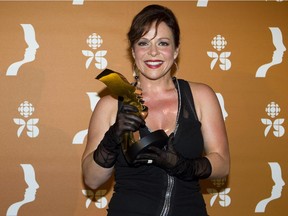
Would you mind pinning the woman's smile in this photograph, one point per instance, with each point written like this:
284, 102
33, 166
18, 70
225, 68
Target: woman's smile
153, 64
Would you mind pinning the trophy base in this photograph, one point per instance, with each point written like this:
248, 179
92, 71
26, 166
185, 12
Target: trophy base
157, 138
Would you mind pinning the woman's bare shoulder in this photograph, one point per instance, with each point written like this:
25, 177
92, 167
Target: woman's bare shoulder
107, 102
201, 89
106, 108
204, 97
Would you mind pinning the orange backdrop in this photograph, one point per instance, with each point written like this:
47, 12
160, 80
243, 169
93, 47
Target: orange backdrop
50, 53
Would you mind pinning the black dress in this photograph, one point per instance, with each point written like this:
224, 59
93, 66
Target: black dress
148, 190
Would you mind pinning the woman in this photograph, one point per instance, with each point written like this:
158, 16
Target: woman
166, 181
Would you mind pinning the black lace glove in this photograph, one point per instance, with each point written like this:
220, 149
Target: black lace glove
175, 164
107, 151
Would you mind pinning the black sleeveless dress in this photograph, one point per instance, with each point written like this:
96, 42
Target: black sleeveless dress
148, 190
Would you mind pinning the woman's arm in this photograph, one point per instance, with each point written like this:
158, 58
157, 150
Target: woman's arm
213, 129
102, 118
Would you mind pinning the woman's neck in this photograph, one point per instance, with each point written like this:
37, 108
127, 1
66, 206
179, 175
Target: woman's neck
156, 86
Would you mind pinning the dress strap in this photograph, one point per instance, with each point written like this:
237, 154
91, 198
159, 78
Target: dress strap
185, 88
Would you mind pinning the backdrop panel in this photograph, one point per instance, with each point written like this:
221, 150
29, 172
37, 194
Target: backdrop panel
50, 54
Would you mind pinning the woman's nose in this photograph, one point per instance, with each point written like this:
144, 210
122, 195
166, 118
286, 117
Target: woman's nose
153, 50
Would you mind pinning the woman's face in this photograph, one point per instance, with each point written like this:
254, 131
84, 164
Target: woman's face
155, 55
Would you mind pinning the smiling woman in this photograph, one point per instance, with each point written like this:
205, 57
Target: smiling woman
46, 102
155, 52
161, 181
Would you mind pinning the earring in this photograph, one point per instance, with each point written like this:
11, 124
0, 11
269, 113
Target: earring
135, 72
176, 65
174, 69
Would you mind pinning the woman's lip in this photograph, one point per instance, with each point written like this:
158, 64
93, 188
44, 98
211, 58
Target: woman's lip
153, 63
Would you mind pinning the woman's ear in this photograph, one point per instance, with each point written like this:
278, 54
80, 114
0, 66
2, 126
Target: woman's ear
133, 53
176, 52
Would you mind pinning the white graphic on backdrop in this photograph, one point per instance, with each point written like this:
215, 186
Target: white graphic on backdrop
273, 110
219, 191
277, 57
80, 136
219, 43
222, 104
30, 52
95, 41
78, 2
276, 189
26, 109
202, 3
30, 192
98, 196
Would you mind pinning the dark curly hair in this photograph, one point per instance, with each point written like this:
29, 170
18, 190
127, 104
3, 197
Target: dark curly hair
143, 21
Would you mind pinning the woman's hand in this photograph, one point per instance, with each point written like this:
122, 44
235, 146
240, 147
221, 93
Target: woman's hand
175, 164
107, 151
127, 120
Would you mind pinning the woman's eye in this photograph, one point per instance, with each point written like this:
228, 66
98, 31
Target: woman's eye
142, 43
163, 43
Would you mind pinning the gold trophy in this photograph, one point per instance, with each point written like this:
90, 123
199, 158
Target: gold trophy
132, 143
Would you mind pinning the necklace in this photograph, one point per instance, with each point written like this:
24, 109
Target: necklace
176, 83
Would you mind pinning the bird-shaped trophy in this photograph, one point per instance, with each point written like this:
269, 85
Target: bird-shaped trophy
132, 143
